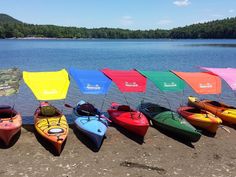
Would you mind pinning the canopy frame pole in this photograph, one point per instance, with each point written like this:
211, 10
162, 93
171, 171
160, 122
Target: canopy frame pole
59, 121
168, 104
12, 107
203, 107
14, 100
46, 118
142, 101
128, 105
219, 97
182, 100
103, 102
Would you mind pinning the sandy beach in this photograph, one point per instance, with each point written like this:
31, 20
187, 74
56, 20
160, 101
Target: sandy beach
121, 155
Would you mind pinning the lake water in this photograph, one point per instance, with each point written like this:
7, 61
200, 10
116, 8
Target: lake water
180, 55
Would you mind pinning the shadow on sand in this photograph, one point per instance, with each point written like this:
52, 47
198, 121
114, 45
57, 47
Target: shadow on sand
28, 127
12, 142
128, 134
83, 138
175, 137
47, 145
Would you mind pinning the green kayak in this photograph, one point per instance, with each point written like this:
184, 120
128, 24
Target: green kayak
170, 121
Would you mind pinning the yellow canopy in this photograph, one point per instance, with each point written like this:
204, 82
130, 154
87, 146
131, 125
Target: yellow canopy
48, 85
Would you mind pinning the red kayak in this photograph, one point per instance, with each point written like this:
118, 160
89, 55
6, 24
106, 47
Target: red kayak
10, 123
132, 120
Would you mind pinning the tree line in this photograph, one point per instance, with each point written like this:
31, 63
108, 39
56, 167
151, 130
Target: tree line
9, 30
216, 29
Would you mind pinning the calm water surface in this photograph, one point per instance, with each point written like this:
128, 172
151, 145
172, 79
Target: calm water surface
180, 55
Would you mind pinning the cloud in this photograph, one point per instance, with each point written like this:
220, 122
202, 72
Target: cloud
181, 3
127, 21
164, 22
231, 11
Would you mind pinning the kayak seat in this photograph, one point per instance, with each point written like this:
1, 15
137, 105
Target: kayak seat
215, 103
86, 109
194, 110
125, 108
7, 113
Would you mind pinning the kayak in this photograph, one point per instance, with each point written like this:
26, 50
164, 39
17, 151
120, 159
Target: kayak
170, 121
131, 120
91, 122
200, 118
10, 123
51, 124
225, 112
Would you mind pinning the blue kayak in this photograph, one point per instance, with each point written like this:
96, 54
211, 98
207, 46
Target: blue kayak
93, 125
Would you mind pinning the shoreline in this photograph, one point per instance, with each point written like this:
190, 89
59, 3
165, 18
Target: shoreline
111, 39
159, 156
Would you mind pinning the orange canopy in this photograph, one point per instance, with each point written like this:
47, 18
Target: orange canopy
201, 82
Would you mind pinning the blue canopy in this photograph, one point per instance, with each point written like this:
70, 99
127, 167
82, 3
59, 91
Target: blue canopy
90, 81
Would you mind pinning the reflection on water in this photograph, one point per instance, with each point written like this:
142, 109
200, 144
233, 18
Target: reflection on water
46, 55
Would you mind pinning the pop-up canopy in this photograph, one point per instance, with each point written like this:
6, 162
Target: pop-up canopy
201, 83
90, 81
165, 81
9, 81
127, 80
48, 85
228, 74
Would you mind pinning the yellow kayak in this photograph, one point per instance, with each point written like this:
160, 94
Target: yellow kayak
53, 128
200, 118
225, 112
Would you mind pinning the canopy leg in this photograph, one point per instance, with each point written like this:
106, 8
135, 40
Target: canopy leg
128, 104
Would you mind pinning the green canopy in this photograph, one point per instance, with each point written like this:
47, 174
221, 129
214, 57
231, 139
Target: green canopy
9, 81
165, 81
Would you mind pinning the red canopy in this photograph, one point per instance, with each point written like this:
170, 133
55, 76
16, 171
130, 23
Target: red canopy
127, 80
201, 83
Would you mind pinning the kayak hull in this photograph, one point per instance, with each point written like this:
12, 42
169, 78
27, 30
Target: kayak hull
200, 118
131, 120
225, 112
53, 129
92, 127
10, 124
169, 121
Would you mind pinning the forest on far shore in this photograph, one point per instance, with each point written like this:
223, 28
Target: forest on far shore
218, 29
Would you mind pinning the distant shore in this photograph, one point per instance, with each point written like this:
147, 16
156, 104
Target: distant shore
138, 39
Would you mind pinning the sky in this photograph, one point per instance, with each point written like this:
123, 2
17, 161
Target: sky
128, 14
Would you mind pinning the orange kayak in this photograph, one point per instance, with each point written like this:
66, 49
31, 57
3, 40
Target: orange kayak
10, 123
225, 112
53, 128
200, 118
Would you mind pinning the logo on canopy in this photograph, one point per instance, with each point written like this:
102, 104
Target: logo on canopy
170, 84
206, 85
131, 84
50, 92
93, 87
